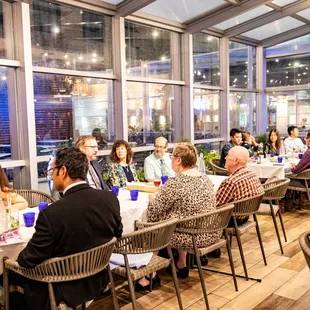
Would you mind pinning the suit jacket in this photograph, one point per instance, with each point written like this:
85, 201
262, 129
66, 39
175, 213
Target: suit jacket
98, 170
84, 218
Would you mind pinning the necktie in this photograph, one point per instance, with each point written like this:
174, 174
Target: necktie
94, 176
163, 167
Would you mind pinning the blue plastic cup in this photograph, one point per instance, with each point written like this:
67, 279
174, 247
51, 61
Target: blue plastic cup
164, 178
134, 194
300, 155
42, 205
29, 219
115, 189
280, 158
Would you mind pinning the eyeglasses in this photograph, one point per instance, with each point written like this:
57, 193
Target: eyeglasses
159, 147
171, 156
50, 172
92, 146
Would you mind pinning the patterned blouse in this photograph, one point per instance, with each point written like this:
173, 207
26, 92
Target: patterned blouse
186, 194
117, 175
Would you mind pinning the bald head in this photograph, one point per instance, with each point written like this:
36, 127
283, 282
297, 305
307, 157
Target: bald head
237, 156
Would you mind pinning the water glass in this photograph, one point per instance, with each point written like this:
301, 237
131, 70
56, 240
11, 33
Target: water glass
280, 158
115, 189
29, 219
42, 205
134, 194
300, 155
164, 178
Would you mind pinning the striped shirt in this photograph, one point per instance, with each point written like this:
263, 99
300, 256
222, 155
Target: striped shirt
242, 183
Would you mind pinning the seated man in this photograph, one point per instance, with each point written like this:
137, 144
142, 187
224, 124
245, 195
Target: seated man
241, 183
303, 164
293, 143
83, 219
235, 139
158, 163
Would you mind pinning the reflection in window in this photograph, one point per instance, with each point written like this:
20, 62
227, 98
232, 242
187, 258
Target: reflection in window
242, 107
67, 107
288, 108
5, 33
206, 114
70, 38
242, 65
206, 50
290, 70
5, 142
150, 114
148, 51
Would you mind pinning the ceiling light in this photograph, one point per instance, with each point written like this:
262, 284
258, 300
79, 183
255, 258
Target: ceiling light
155, 33
56, 30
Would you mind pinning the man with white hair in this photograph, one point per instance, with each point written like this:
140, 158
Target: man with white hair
241, 183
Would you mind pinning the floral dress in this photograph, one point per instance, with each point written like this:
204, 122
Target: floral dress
117, 175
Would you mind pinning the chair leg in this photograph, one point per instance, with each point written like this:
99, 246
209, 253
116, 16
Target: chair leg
260, 239
231, 261
52, 296
113, 293
282, 225
275, 225
307, 188
5, 285
130, 284
204, 290
240, 248
175, 278
83, 306
151, 282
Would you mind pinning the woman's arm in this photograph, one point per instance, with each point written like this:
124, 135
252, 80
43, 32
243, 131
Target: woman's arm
16, 200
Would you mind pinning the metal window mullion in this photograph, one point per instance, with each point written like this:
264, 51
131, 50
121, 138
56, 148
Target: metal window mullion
25, 118
224, 100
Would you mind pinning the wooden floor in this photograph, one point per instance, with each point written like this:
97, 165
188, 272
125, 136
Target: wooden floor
285, 280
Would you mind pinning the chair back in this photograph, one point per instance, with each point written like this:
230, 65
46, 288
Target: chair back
215, 166
147, 240
248, 205
33, 197
275, 190
304, 241
304, 175
206, 223
68, 268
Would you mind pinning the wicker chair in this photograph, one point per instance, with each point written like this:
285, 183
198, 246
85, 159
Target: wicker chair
63, 269
304, 177
215, 166
211, 222
34, 197
274, 191
147, 240
304, 241
246, 207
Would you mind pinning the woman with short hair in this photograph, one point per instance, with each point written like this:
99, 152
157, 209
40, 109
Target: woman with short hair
121, 169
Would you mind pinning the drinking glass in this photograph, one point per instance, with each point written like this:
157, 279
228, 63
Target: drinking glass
300, 155
42, 205
280, 158
134, 194
164, 178
115, 189
29, 219
157, 182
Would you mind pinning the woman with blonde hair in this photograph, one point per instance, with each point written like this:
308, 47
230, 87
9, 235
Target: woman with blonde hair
8, 193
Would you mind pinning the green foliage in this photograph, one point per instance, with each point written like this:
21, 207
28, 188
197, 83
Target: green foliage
261, 138
140, 175
207, 154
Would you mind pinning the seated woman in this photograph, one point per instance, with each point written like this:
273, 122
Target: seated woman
7, 192
249, 143
121, 170
187, 194
274, 145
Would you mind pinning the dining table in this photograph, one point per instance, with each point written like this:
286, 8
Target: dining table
130, 211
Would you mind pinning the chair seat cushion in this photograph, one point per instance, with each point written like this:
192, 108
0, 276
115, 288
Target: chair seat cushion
264, 209
242, 228
155, 264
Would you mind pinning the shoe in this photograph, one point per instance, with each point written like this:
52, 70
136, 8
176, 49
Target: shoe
156, 283
216, 253
181, 273
203, 260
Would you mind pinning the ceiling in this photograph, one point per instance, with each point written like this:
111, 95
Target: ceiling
258, 22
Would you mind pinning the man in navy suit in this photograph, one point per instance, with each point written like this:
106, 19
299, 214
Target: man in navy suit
89, 146
83, 219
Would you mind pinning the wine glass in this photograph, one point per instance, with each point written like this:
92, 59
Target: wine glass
157, 182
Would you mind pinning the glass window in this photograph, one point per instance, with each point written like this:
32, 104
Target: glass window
150, 112
288, 108
206, 114
206, 59
70, 38
242, 107
6, 33
149, 52
298, 45
290, 70
242, 65
67, 107
5, 141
